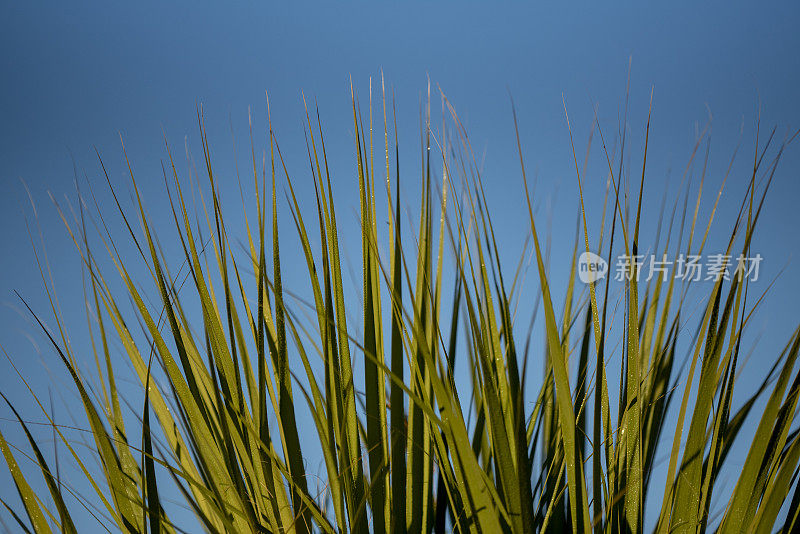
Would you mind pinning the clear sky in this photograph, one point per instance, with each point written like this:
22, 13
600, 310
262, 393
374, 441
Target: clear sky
76, 77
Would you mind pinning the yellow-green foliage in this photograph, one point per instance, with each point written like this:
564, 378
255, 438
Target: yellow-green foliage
404, 449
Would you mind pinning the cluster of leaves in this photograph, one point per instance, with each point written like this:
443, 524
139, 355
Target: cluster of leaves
404, 448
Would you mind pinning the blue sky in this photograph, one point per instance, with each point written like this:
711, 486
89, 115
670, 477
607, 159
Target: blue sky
77, 77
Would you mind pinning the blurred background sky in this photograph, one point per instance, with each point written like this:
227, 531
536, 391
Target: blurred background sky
75, 77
